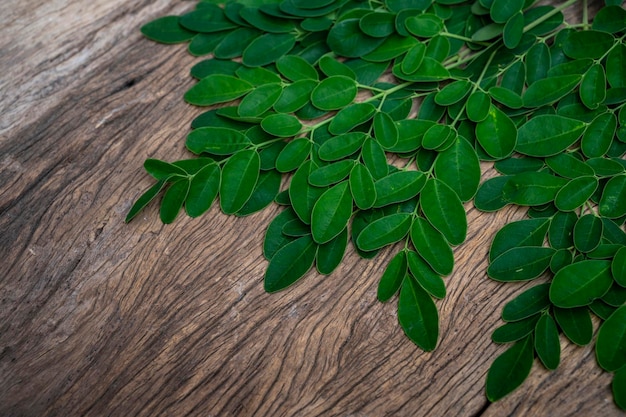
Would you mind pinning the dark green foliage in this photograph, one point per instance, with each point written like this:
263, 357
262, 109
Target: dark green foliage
490, 80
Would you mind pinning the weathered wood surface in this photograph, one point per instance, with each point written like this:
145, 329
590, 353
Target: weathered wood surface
102, 318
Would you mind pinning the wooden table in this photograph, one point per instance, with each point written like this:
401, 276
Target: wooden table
102, 318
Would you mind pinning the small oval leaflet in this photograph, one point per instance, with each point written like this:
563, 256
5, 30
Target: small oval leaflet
418, 315
331, 213
239, 176
432, 246
580, 283
290, 263
611, 343
392, 278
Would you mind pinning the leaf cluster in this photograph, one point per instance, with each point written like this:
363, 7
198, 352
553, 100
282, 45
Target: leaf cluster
379, 114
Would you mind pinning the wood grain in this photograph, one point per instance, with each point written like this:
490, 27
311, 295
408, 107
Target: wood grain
102, 318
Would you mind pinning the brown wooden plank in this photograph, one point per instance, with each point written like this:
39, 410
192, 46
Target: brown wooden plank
102, 318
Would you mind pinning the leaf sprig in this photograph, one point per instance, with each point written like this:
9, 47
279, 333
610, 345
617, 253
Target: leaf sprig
381, 112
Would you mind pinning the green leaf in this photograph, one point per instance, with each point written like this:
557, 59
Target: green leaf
478, 106
513, 31
214, 66
497, 134
575, 193
575, 323
265, 191
489, 196
587, 44
561, 231
268, 48
547, 343
239, 176
507, 97
549, 90
216, 141
613, 201
331, 173
529, 232
162, 170
392, 278
203, 189
444, 210
260, 100
339, 147
503, 10
295, 96
265, 22
293, 154
233, 44
216, 89
611, 18
144, 200
593, 87
385, 130
429, 70
611, 342
580, 283
330, 67
488, 32
350, 117
378, 24
538, 63
167, 29
598, 136
530, 302
303, 195
384, 231
417, 315
618, 266
532, 188
330, 254
587, 233
520, 263
425, 276
331, 213
413, 58
547, 135
296, 68
424, 25
604, 167
438, 136
281, 125
569, 166
459, 168
173, 200
362, 187
274, 238
432, 246
346, 39
410, 134
398, 186
509, 370
206, 19
516, 330
334, 93
615, 62
290, 263
374, 158
392, 47
453, 92
512, 166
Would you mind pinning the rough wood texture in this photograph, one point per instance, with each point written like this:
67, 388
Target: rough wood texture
102, 318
